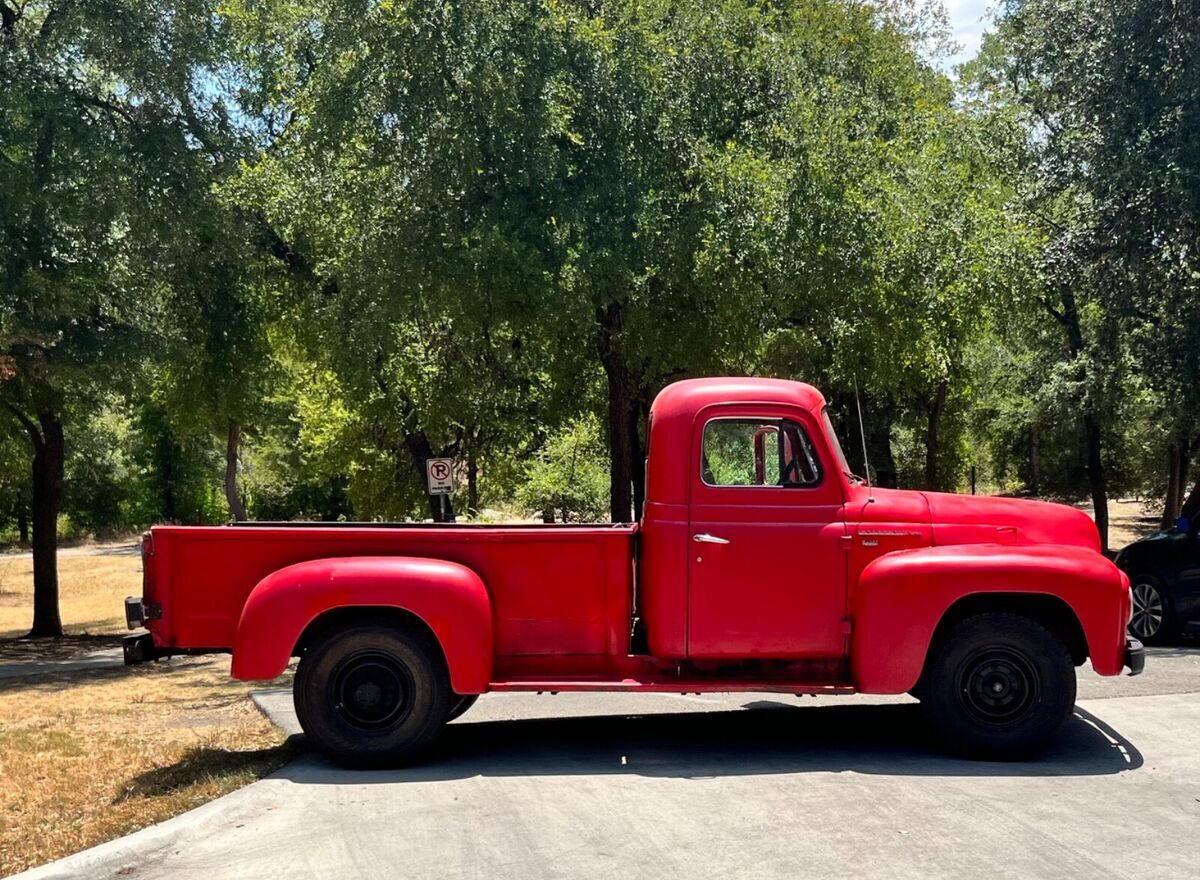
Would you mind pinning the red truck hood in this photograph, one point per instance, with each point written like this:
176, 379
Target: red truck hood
967, 519
971, 519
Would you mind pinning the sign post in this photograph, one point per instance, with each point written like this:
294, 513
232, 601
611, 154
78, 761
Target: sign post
439, 477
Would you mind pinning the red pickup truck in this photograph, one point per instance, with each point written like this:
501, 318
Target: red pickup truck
762, 563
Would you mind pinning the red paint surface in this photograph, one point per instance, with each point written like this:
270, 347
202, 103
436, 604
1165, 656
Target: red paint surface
827, 588
902, 596
776, 589
449, 597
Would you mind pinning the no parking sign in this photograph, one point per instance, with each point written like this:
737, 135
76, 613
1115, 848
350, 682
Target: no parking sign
439, 474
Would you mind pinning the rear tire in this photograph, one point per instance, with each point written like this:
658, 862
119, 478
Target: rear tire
373, 695
999, 687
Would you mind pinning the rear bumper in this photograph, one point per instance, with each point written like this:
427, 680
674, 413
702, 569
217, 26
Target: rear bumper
140, 648
1135, 656
139, 611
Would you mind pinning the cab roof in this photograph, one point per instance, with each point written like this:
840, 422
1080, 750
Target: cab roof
691, 395
674, 413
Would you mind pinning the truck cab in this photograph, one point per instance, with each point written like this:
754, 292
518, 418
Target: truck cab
744, 535
761, 563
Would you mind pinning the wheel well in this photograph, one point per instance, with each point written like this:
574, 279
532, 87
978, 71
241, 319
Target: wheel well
358, 615
1050, 611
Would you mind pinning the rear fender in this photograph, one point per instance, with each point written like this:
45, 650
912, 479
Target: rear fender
449, 598
901, 598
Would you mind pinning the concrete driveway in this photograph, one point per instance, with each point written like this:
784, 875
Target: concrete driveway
716, 786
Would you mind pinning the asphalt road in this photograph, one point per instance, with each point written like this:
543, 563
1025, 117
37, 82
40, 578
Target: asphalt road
716, 786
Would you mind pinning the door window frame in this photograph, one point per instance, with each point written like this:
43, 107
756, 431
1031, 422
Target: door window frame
829, 491
779, 422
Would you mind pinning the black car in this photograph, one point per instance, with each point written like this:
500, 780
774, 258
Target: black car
1164, 573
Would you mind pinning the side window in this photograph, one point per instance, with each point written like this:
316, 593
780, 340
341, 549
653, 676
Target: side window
752, 452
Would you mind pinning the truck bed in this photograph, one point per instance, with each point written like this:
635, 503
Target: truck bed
555, 589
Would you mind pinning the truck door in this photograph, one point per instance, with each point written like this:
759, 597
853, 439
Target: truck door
766, 567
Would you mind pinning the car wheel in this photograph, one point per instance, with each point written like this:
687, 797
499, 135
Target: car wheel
373, 695
1151, 617
999, 686
461, 705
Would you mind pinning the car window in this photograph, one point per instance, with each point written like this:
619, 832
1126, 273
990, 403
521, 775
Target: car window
758, 452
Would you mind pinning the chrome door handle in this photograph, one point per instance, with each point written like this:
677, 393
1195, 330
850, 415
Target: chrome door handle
709, 539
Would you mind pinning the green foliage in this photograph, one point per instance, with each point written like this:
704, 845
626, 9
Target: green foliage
361, 234
569, 478
1096, 106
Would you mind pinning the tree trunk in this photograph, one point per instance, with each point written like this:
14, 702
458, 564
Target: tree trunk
1096, 478
1191, 507
1177, 464
236, 509
22, 524
878, 420
877, 428
166, 453
48, 456
420, 451
932, 428
637, 446
620, 412
1093, 436
1035, 460
472, 484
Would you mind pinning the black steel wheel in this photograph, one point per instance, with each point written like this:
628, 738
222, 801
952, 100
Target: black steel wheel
998, 686
371, 690
373, 695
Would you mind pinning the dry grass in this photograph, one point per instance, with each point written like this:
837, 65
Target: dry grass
1129, 520
86, 756
93, 584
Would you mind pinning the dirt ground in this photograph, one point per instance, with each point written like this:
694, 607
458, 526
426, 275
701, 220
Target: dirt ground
87, 755
1129, 519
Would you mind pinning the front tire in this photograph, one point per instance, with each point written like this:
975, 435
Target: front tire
373, 695
999, 687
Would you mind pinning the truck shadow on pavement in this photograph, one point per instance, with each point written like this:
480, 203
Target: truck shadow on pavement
769, 738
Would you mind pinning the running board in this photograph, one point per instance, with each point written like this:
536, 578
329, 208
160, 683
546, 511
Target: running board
672, 686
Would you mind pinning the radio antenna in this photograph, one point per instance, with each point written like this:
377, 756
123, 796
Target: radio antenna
862, 432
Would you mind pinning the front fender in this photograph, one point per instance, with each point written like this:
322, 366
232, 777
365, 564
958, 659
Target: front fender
450, 598
901, 597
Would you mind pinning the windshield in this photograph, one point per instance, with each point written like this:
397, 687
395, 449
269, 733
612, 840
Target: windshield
831, 438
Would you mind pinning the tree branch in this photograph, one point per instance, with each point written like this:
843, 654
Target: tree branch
51, 19
35, 435
197, 130
8, 19
295, 262
1058, 316
99, 103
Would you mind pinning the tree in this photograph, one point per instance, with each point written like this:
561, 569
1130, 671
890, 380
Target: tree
437, 315
94, 146
662, 185
568, 478
1107, 94
220, 364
